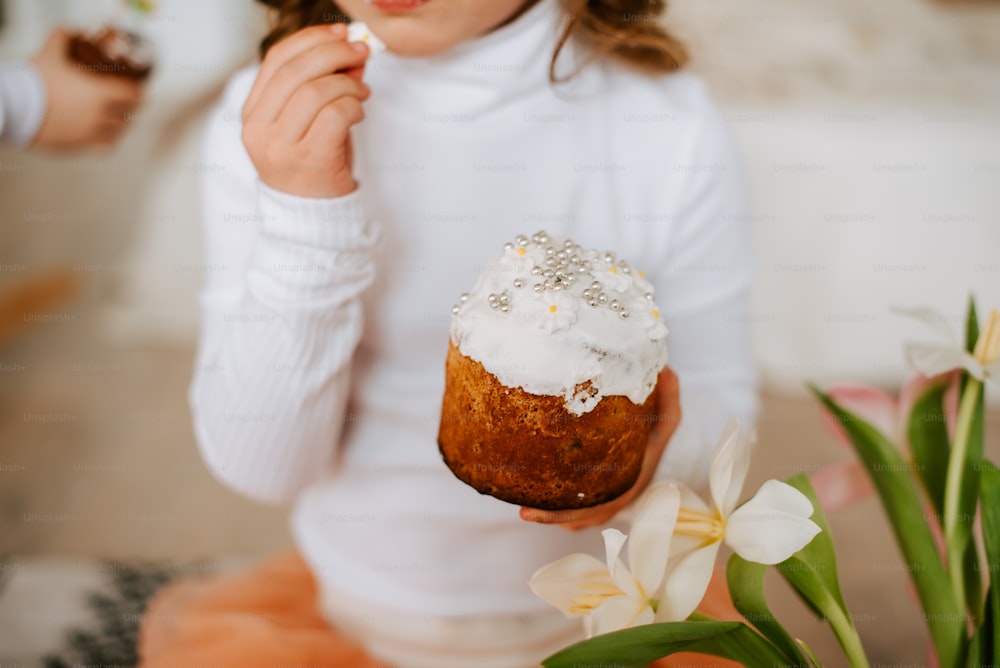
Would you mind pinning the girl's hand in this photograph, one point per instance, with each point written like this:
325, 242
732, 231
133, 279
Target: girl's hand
297, 119
668, 415
84, 109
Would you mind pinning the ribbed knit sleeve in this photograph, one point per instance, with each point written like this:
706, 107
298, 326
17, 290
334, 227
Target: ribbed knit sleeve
281, 318
22, 103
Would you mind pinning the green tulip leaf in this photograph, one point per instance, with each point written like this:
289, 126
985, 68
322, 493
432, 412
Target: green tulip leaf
820, 555
971, 326
809, 653
639, 646
927, 432
902, 502
990, 491
746, 587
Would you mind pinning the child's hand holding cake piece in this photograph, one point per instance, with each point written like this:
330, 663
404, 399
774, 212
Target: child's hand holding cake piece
298, 116
667, 418
557, 397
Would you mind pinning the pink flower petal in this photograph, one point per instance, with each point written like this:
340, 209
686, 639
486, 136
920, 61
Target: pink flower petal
840, 485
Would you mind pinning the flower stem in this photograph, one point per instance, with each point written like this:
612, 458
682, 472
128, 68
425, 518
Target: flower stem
953, 488
846, 633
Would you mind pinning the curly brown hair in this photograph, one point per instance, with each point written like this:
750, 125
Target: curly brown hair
629, 30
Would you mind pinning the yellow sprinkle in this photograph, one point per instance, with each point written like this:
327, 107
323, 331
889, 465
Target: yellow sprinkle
520, 251
642, 274
553, 308
613, 270
656, 314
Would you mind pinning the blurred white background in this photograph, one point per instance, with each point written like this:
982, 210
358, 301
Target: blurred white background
871, 135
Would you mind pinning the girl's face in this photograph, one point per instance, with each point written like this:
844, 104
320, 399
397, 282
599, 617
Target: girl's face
430, 27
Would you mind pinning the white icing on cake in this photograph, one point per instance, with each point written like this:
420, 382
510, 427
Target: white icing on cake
549, 317
360, 32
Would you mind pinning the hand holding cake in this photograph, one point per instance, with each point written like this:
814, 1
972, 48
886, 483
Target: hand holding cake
667, 417
549, 398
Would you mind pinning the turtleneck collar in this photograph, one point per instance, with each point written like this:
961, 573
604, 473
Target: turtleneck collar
476, 76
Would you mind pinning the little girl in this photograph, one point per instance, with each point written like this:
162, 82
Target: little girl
359, 198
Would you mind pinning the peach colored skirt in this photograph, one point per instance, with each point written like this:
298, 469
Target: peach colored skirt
269, 616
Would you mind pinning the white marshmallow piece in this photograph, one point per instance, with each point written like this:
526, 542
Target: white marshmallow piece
359, 32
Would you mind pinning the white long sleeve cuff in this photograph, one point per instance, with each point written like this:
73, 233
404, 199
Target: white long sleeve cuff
307, 247
23, 102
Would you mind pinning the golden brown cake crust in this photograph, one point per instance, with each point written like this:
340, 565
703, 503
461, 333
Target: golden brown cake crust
529, 450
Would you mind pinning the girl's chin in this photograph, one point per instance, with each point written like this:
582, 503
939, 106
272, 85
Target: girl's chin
414, 44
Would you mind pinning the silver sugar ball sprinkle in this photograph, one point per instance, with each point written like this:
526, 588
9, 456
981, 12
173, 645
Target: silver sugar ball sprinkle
536, 271
464, 297
568, 243
626, 269
615, 305
548, 273
550, 251
557, 286
508, 246
521, 240
609, 256
538, 287
596, 285
649, 296
455, 309
505, 308
550, 261
493, 297
518, 283
623, 313
592, 302
587, 293
603, 298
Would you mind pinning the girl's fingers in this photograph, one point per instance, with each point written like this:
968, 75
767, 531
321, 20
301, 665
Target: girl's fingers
356, 73
307, 103
334, 120
320, 61
291, 47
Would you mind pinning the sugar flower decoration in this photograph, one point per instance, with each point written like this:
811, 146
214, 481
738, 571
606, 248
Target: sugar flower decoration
639, 278
553, 310
519, 260
611, 276
360, 32
648, 313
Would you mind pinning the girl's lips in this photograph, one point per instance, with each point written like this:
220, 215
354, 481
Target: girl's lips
397, 5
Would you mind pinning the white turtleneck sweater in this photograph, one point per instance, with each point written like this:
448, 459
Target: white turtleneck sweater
325, 322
